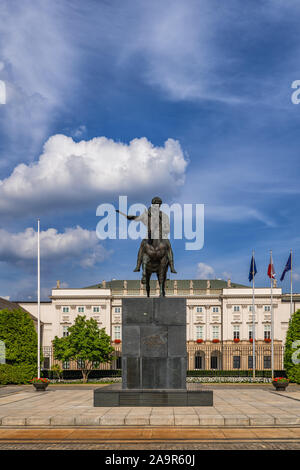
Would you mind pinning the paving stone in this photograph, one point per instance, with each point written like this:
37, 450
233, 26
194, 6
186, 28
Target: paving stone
137, 420
62, 420
38, 421
236, 420
261, 420
186, 420
166, 420
287, 420
87, 420
211, 420
13, 421
112, 420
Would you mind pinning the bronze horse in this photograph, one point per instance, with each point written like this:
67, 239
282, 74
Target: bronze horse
155, 254
155, 260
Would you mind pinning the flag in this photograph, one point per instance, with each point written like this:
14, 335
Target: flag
287, 268
253, 269
271, 271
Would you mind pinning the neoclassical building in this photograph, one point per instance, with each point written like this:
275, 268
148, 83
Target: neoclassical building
219, 319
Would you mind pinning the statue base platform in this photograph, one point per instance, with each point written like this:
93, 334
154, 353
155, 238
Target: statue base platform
154, 357
114, 395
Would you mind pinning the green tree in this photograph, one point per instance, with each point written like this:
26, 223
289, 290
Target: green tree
57, 371
292, 348
85, 344
19, 335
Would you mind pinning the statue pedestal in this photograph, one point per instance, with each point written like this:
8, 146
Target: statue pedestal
154, 357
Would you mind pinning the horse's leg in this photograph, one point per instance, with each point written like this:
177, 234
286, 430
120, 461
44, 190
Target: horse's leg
160, 277
148, 276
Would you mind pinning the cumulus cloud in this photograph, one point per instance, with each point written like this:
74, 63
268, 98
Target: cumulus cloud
204, 271
77, 244
79, 131
70, 173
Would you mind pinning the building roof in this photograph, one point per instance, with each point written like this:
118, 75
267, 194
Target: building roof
8, 305
182, 284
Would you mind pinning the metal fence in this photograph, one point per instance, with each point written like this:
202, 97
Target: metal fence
206, 356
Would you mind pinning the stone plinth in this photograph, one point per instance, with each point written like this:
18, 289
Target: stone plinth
154, 357
154, 343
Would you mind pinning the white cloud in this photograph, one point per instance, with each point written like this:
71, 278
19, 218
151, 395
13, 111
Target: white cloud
204, 271
69, 174
233, 213
76, 244
79, 131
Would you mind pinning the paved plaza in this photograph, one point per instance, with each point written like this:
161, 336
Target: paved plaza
234, 406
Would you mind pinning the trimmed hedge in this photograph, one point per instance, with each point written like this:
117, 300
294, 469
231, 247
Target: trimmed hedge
70, 374
17, 374
98, 373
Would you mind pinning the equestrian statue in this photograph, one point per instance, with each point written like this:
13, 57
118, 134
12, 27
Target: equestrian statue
155, 254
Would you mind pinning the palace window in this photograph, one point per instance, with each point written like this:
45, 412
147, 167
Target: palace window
236, 332
236, 362
215, 309
267, 331
80, 309
65, 309
236, 308
214, 362
199, 361
215, 332
267, 362
199, 309
46, 364
117, 309
65, 331
80, 363
199, 332
117, 331
250, 332
66, 365
119, 362
251, 308
96, 309
250, 362
267, 308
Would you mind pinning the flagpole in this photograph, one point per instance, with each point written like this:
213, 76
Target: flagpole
291, 305
253, 315
272, 322
39, 301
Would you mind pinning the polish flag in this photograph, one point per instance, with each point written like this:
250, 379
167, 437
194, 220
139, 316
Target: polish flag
271, 271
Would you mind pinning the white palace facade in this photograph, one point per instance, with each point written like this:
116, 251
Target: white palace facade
219, 319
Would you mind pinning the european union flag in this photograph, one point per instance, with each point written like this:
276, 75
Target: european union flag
253, 269
287, 268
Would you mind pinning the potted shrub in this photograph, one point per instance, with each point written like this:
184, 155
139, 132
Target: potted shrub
280, 383
215, 340
117, 341
267, 340
199, 340
251, 340
40, 384
236, 340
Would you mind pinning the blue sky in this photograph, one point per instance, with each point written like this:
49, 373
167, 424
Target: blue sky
187, 100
